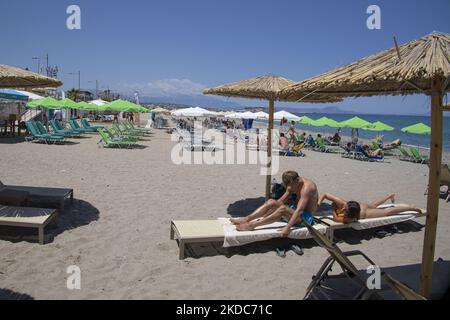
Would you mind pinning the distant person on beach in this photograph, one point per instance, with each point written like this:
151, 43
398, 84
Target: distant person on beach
284, 142
350, 211
310, 140
305, 206
373, 153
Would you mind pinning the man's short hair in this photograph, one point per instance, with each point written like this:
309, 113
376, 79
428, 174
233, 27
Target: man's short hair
354, 210
281, 134
289, 177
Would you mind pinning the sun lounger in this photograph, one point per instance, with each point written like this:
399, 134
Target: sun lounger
35, 135
57, 195
28, 218
76, 127
405, 156
108, 143
222, 230
86, 125
418, 157
319, 285
365, 224
405, 292
57, 129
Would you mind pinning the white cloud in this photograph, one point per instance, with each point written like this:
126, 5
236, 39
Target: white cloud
167, 87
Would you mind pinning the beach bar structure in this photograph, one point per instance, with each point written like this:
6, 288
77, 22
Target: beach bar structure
421, 66
264, 88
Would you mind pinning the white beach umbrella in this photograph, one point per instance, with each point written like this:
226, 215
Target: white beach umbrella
285, 115
262, 115
193, 112
99, 102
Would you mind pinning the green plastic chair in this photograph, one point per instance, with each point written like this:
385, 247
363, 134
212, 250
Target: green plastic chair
108, 143
36, 135
131, 126
86, 125
65, 132
321, 146
75, 126
419, 157
405, 156
42, 130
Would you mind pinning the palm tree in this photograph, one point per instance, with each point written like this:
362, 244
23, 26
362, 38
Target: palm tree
74, 94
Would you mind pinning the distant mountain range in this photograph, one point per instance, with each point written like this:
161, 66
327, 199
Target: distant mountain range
205, 101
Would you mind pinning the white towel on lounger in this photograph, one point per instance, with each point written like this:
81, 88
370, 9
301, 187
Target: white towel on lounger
235, 238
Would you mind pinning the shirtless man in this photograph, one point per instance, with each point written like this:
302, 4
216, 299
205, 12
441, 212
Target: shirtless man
275, 210
349, 211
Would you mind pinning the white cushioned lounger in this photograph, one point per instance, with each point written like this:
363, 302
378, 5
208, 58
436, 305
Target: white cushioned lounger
365, 224
221, 230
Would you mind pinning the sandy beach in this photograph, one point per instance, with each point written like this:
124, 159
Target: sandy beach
117, 230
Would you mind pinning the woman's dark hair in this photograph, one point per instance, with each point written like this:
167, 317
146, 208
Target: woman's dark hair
354, 209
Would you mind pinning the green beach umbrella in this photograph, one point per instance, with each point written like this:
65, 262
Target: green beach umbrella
378, 126
305, 120
46, 103
124, 106
68, 104
326, 122
418, 128
86, 106
355, 122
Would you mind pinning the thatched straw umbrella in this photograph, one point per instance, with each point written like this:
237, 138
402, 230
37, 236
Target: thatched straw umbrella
420, 66
265, 88
12, 77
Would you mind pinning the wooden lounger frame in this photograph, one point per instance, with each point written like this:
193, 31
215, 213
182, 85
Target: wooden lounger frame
39, 221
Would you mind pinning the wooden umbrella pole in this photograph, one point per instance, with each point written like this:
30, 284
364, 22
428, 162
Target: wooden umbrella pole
269, 149
433, 194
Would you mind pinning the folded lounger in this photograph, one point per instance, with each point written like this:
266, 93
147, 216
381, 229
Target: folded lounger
222, 230
58, 195
28, 218
365, 224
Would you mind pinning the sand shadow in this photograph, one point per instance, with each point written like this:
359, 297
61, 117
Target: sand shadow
355, 237
76, 215
6, 294
244, 207
342, 288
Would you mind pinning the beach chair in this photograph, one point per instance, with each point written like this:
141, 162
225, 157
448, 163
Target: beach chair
405, 156
402, 290
321, 147
114, 136
65, 132
192, 142
39, 194
188, 232
361, 154
42, 130
108, 143
25, 217
76, 127
318, 286
131, 126
35, 135
418, 157
367, 224
86, 125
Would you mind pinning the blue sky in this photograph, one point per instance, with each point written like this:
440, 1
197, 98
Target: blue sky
173, 47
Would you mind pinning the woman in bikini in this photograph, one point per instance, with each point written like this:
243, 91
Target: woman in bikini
349, 211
